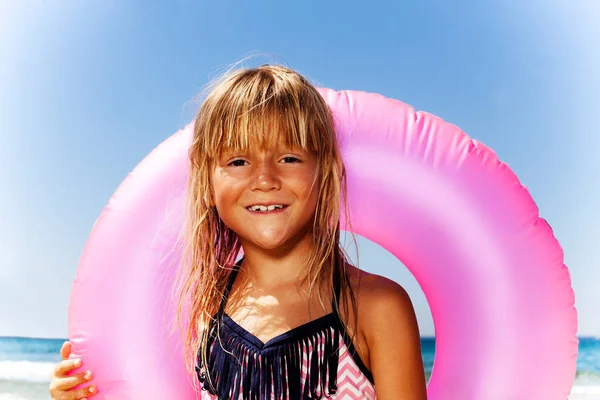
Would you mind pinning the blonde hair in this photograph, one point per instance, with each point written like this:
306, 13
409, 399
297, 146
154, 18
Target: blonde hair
238, 112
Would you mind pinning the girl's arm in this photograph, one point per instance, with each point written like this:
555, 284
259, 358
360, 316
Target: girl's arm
390, 327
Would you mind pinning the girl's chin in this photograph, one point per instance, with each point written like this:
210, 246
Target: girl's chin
268, 244
272, 239
265, 242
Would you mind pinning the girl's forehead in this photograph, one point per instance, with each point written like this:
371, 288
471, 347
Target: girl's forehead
263, 140
257, 147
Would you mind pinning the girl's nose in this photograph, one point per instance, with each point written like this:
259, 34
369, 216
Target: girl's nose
266, 178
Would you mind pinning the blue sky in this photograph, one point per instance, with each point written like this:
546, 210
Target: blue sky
87, 89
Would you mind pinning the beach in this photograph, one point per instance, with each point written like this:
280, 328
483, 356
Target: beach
26, 364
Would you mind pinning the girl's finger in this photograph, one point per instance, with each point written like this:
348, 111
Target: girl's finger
83, 393
65, 350
63, 367
69, 382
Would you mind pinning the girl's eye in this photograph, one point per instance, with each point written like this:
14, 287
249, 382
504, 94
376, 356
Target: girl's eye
289, 160
237, 163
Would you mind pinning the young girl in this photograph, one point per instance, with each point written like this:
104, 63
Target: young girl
291, 319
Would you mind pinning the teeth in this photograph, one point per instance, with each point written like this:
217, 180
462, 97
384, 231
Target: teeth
265, 208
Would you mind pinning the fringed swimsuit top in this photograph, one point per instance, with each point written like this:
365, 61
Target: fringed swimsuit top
312, 361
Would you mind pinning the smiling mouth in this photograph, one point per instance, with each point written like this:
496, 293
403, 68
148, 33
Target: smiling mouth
265, 209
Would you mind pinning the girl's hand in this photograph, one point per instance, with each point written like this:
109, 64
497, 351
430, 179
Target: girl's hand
61, 382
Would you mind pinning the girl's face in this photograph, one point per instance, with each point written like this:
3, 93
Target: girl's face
268, 197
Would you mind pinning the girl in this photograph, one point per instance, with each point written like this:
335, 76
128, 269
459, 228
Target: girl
292, 318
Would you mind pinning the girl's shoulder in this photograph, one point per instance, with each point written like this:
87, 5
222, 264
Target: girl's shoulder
375, 290
382, 304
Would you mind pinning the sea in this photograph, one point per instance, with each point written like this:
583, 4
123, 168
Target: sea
26, 365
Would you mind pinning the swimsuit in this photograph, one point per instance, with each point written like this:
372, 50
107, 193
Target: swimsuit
312, 361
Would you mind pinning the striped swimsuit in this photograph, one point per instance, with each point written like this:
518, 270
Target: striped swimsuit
312, 361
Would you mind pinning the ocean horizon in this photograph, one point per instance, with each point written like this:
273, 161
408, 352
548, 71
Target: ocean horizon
27, 363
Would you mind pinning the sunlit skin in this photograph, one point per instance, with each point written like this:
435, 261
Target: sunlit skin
275, 245
276, 240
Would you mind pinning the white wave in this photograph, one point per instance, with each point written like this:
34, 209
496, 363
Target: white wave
10, 396
585, 393
26, 371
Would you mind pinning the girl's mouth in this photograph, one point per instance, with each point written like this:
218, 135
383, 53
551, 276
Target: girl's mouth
265, 209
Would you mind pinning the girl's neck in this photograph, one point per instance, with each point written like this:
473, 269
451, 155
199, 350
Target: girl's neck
282, 266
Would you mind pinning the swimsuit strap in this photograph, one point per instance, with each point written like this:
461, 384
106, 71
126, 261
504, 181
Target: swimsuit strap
337, 289
231, 280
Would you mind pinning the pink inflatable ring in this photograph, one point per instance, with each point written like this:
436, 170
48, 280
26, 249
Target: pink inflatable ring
441, 202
